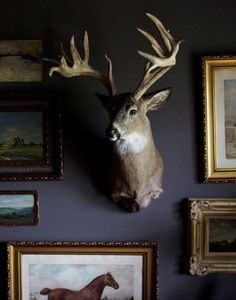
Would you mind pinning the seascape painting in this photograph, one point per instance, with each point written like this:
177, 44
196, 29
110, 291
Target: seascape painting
222, 235
230, 118
21, 60
111, 282
21, 136
17, 209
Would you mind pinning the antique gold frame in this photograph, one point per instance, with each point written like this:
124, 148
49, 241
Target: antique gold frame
210, 66
148, 252
201, 211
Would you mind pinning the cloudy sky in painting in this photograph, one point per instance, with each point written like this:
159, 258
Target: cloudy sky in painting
26, 125
16, 201
19, 47
222, 229
76, 277
230, 98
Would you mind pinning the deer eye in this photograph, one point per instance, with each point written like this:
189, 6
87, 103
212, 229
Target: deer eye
133, 112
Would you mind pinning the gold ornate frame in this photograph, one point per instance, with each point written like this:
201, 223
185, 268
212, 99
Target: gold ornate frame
202, 261
212, 67
147, 251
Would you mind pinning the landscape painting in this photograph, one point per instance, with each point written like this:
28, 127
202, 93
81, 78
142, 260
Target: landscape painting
222, 235
68, 281
21, 136
18, 208
21, 60
230, 118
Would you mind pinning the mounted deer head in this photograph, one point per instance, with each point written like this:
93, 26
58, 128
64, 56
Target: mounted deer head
136, 175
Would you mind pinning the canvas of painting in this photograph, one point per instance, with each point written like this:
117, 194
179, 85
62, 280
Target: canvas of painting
21, 136
18, 208
81, 279
230, 118
21, 60
222, 235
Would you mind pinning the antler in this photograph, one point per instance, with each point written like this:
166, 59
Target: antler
81, 67
158, 65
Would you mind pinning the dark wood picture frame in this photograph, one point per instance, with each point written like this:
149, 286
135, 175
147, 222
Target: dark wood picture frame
32, 128
23, 211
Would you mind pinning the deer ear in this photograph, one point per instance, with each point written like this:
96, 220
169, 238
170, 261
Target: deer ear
155, 100
105, 100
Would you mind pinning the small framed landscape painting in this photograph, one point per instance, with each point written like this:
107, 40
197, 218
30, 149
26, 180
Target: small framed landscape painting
62, 270
21, 60
18, 208
219, 83
30, 137
213, 235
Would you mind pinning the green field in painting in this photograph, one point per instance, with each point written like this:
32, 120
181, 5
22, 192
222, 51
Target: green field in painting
24, 214
21, 152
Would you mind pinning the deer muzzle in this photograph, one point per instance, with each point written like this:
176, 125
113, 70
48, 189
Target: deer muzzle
112, 133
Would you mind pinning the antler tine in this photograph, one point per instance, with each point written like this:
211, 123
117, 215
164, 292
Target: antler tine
160, 63
166, 36
110, 73
86, 47
77, 60
153, 42
81, 67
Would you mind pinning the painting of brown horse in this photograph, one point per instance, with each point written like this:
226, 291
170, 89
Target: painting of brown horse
92, 291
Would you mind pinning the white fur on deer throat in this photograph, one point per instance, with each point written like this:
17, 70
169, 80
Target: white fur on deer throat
134, 142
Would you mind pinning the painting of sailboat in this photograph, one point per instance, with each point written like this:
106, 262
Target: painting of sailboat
21, 60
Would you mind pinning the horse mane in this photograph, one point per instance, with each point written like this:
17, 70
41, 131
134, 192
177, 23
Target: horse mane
94, 280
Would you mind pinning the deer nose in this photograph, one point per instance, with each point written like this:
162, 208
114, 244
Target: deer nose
112, 133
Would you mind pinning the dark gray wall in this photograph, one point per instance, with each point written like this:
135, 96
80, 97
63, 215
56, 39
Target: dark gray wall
75, 209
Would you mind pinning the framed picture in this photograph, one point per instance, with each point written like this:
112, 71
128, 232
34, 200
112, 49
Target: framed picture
219, 83
72, 270
21, 60
30, 137
213, 235
18, 208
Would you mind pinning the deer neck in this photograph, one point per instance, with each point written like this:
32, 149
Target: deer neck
134, 162
133, 170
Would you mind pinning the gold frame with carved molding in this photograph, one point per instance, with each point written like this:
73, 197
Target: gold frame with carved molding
201, 210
